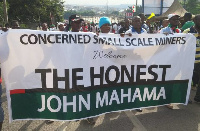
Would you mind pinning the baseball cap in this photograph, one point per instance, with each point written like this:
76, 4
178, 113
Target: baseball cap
104, 20
75, 18
172, 15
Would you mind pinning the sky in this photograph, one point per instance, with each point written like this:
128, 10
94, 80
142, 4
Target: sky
101, 2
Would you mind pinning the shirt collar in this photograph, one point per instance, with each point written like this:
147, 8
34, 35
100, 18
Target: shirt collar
133, 30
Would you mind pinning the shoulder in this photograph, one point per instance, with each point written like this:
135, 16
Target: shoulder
128, 31
165, 30
189, 22
192, 30
143, 31
145, 25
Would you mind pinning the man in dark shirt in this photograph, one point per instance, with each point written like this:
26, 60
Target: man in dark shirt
188, 22
125, 26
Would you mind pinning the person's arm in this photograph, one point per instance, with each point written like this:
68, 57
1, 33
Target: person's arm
186, 31
4, 29
128, 32
161, 31
121, 30
166, 31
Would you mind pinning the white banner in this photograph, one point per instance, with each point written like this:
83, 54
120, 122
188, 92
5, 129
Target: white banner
47, 62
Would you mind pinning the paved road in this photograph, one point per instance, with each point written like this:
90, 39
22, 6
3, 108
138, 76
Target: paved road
182, 118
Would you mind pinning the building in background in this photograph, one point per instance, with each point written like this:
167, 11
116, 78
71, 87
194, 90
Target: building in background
157, 7
95, 19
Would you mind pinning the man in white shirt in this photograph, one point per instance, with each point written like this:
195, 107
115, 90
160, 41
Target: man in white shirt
173, 25
136, 26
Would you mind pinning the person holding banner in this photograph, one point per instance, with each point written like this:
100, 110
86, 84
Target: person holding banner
170, 29
144, 25
165, 23
195, 30
75, 23
173, 25
61, 27
14, 25
125, 26
45, 27
136, 27
104, 24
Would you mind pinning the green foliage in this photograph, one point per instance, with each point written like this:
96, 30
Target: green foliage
87, 13
1, 13
2, 21
68, 13
35, 10
192, 6
23, 26
115, 13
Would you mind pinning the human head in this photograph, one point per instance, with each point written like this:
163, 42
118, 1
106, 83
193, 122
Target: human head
197, 21
104, 24
173, 19
44, 26
142, 16
187, 16
15, 24
122, 23
92, 23
127, 23
61, 27
52, 26
75, 22
104, 20
7, 25
84, 24
165, 22
136, 22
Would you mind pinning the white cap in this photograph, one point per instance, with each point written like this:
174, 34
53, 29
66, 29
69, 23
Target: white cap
172, 15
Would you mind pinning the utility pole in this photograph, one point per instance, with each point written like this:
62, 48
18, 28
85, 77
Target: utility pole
5, 11
136, 4
107, 8
161, 7
142, 6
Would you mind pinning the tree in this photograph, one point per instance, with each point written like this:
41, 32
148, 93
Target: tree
1, 12
87, 13
2, 18
115, 13
192, 6
35, 10
68, 13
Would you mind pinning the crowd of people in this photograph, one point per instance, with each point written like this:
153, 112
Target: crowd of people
135, 25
